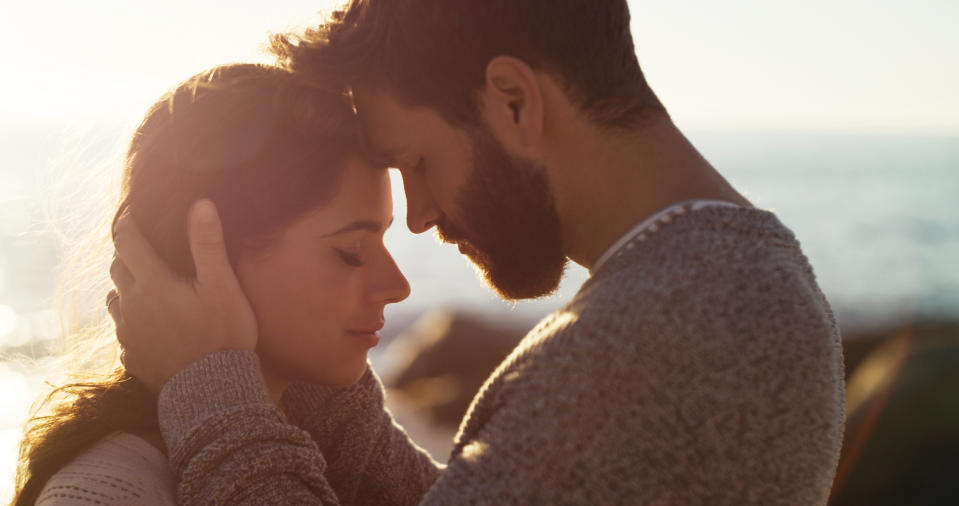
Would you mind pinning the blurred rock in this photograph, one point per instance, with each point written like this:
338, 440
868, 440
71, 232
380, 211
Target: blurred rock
439, 363
902, 426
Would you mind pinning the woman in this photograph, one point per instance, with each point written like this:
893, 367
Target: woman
303, 215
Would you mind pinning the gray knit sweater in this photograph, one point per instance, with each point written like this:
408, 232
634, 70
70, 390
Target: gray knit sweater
702, 365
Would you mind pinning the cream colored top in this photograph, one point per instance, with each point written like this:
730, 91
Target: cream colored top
121, 469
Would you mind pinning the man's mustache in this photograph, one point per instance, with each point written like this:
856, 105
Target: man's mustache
449, 233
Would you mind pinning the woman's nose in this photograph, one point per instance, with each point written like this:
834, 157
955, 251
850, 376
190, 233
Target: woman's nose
392, 285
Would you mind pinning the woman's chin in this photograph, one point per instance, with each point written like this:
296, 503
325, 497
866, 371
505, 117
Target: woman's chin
349, 378
345, 374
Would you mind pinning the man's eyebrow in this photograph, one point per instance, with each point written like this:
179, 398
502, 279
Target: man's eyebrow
380, 156
367, 225
387, 157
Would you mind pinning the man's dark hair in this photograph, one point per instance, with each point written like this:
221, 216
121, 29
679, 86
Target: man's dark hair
434, 53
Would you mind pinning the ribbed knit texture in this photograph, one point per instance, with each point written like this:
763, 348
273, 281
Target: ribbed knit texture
701, 365
120, 470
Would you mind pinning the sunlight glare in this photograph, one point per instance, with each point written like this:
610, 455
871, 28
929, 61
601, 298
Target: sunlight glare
8, 323
15, 404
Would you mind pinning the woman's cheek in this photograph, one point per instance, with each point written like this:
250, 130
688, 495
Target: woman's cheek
335, 285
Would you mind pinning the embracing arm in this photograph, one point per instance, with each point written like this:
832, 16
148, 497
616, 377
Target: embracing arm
230, 445
370, 459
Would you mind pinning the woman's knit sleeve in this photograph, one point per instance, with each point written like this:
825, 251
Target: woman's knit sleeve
370, 459
228, 443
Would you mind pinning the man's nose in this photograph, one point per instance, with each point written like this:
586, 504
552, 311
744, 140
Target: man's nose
422, 213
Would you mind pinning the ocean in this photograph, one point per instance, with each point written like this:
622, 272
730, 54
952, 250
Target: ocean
876, 213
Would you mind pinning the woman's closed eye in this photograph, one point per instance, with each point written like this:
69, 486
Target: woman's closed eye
349, 258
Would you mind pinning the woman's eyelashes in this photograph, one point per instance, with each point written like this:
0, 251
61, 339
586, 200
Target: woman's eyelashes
351, 259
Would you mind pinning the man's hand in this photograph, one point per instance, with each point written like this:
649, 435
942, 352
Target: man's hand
164, 322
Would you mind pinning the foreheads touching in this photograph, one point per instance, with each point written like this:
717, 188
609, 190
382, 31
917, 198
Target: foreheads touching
434, 84
435, 53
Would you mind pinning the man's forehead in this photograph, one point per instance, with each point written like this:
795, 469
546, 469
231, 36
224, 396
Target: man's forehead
383, 151
392, 129
377, 107
385, 128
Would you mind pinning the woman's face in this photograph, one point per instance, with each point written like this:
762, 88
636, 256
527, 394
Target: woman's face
319, 290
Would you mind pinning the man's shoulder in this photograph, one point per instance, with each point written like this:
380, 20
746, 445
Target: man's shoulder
726, 278
705, 256
724, 235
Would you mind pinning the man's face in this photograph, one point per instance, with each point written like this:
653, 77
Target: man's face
497, 208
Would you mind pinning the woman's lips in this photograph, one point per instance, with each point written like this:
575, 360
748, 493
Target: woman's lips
370, 337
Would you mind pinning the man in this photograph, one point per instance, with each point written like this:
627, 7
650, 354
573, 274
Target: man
699, 364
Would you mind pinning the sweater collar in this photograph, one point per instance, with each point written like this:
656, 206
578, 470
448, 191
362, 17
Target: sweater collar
654, 222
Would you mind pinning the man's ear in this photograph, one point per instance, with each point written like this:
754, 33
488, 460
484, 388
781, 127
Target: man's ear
513, 102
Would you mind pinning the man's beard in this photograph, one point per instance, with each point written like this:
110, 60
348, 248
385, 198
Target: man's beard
507, 223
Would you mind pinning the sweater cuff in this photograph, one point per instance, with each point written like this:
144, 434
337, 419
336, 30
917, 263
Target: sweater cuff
219, 383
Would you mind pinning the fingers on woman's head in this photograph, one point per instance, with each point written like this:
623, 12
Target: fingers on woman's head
135, 254
116, 313
206, 242
121, 276
113, 307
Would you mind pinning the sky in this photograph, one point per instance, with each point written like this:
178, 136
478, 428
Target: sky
817, 64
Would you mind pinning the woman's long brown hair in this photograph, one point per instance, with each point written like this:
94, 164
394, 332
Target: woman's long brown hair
266, 146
